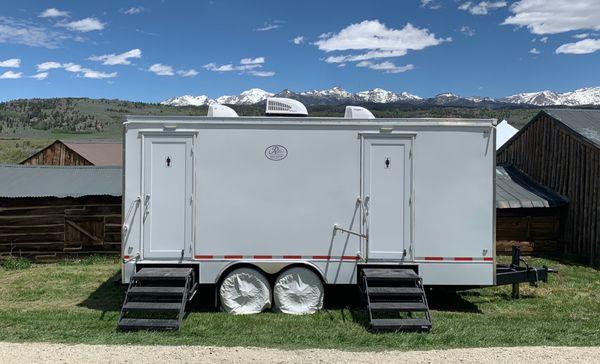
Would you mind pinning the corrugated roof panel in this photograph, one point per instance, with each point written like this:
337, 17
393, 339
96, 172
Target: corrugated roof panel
515, 190
98, 153
585, 122
59, 181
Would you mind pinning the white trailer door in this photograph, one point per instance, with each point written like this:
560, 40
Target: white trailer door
387, 186
167, 196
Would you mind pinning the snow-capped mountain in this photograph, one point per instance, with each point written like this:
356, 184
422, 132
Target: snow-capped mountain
582, 96
334, 92
189, 100
381, 96
339, 96
248, 97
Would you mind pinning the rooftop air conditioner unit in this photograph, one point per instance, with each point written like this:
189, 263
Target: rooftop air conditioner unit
285, 107
221, 111
357, 112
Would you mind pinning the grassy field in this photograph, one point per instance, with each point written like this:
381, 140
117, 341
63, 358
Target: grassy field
76, 302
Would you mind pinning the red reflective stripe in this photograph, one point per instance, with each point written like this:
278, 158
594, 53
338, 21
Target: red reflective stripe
263, 257
434, 258
463, 259
292, 257
203, 256
488, 259
125, 256
321, 257
233, 257
349, 257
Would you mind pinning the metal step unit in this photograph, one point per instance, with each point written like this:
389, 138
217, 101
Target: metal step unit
395, 299
156, 298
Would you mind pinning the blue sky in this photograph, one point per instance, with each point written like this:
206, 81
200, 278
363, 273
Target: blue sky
152, 50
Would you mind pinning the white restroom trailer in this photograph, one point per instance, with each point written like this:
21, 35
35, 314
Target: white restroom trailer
328, 194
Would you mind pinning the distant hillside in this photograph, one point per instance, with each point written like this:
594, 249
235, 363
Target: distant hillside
83, 118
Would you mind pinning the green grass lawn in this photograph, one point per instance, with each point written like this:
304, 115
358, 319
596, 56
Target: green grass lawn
76, 302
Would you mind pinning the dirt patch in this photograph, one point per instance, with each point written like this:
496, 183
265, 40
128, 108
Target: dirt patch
43, 353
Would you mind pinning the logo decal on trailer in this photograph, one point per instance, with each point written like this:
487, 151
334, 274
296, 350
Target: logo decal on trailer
276, 152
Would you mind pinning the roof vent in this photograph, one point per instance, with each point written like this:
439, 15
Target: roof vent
221, 111
283, 106
357, 112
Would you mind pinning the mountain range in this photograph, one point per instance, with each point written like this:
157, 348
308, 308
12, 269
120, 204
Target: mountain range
337, 95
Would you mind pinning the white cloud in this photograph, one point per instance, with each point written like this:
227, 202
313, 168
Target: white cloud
482, 8
87, 73
48, 66
298, 40
71, 67
269, 26
188, 73
555, 16
54, 13
257, 60
585, 46
161, 69
10, 75
40, 76
467, 30
114, 59
11, 63
27, 33
387, 66
133, 10
544, 39
262, 73
83, 25
375, 40
430, 4
534, 51
581, 35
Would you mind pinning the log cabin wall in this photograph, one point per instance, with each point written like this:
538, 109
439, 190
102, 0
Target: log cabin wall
49, 228
564, 161
535, 230
57, 154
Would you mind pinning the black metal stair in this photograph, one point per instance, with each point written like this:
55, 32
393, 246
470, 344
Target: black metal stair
156, 299
395, 299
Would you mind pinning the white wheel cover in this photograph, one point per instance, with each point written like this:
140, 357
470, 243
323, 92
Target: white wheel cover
245, 291
298, 291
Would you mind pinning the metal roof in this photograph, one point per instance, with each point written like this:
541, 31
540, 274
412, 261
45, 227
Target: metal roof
99, 153
59, 181
514, 189
585, 122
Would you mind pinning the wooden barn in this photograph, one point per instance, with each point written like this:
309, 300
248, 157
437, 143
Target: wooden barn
560, 149
48, 212
527, 214
78, 153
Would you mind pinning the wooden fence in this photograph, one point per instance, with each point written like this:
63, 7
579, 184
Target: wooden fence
50, 228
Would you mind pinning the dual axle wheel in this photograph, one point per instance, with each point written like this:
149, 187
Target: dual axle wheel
296, 291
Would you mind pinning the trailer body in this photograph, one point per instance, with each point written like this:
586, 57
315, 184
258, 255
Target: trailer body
325, 193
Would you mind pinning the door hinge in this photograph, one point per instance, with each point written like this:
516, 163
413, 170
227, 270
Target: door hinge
410, 154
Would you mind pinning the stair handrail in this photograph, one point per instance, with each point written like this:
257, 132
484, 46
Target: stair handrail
125, 228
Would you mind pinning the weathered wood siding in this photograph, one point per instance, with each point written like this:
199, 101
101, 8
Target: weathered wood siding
560, 159
534, 230
57, 154
48, 228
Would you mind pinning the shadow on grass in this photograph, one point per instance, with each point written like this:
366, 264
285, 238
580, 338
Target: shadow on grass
107, 297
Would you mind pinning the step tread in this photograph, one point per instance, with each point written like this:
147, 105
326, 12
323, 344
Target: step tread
394, 291
399, 306
163, 273
142, 323
383, 273
397, 324
153, 306
156, 291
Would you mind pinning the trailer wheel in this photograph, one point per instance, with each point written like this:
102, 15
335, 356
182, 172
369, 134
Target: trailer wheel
298, 291
245, 291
